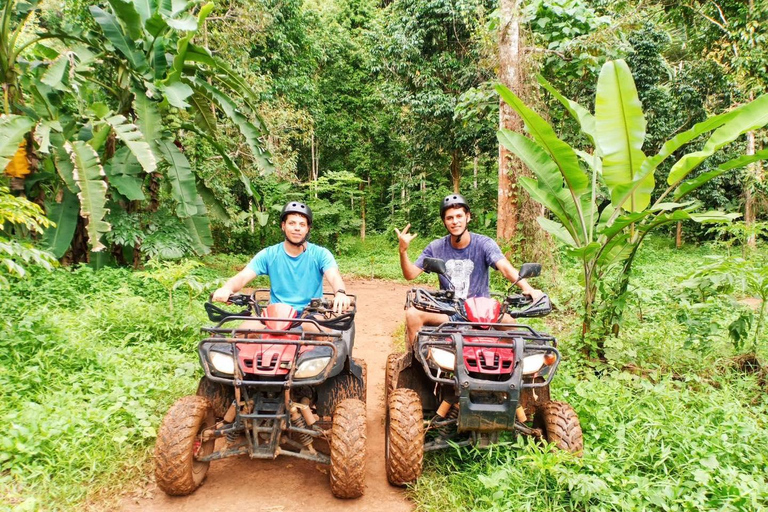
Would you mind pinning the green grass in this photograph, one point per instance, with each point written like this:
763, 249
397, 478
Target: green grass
649, 445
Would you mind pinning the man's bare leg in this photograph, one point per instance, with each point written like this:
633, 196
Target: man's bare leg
415, 319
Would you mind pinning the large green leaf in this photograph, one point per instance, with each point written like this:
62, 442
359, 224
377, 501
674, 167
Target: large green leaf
557, 230
181, 179
125, 174
126, 12
231, 165
582, 115
184, 23
622, 222
551, 201
226, 74
177, 93
148, 118
742, 161
749, 117
64, 166
211, 201
650, 164
177, 69
132, 137
145, 8
249, 131
549, 187
64, 214
199, 229
56, 75
119, 40
620, 133
562, 154
157, 60
88, 174
204, 116
13, 128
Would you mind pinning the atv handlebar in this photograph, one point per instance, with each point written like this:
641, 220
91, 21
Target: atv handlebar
320, 306
445, 302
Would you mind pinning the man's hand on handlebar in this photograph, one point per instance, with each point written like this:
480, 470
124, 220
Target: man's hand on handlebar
535, 294
341, 302
221, 295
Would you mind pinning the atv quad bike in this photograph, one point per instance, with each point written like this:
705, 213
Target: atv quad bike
464, 382
268, 391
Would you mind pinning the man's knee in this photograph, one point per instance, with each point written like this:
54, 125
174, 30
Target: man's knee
413, 316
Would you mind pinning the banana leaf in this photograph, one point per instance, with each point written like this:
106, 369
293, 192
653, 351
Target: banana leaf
749, 117
131, 136
620, 133
13, 128
181, 179
64, 214
560, 152
88, 174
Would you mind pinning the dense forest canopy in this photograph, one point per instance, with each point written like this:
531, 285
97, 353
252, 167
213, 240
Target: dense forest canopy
371, 111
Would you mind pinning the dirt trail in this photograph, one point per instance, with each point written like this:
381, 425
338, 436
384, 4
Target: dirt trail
289, 484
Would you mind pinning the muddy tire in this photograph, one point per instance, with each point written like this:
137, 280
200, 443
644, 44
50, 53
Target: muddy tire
348, 434
404, 437
361, 363
177, 472
220, 395
560, 425
390, 377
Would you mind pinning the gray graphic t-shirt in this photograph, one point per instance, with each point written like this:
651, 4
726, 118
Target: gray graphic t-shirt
467, 268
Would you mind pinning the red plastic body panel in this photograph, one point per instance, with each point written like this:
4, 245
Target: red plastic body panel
266, 358
482, 309
495, 361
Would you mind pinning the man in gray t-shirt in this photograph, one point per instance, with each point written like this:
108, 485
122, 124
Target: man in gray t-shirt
467, 256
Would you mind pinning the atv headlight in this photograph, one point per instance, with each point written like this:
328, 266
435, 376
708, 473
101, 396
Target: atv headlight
222, 363
443, 358
311, 367
532, 364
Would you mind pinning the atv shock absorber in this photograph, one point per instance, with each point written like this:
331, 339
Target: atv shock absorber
450, 412
297, 419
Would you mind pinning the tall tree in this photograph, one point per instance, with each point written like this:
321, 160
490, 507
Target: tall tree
430, 52
514, 209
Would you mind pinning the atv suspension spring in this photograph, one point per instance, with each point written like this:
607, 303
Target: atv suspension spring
231, 436
298, 421
453, 414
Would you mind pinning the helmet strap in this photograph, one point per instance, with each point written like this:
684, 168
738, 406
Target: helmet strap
302, 243
457, 238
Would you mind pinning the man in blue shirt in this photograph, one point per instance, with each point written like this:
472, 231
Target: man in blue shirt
295, 267
468, 257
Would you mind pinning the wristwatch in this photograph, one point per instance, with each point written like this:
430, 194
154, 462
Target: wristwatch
341, 290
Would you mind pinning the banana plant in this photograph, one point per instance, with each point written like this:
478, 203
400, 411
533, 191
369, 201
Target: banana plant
104, 136
568, 180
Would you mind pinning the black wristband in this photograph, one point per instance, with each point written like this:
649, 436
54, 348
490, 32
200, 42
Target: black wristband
341, 290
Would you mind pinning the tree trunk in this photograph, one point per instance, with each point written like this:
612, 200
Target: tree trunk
314, 170
515, 209
679, 235
474, 167
456, 170
509, 74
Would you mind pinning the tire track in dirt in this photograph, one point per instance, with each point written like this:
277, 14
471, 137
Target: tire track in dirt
288, 484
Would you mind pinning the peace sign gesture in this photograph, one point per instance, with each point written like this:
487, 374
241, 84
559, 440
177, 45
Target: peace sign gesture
405, 238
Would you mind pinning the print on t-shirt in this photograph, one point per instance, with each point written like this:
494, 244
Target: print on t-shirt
459, 272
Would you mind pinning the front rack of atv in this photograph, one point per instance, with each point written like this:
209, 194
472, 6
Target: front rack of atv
520, 338
237, 335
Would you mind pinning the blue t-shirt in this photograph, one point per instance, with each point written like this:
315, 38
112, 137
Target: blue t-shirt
467, 268
293, 280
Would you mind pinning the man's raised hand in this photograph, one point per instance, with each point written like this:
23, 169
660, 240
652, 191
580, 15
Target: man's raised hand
404, 237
